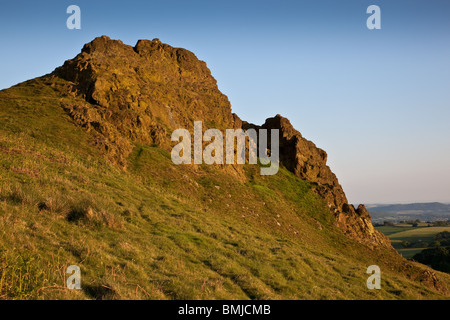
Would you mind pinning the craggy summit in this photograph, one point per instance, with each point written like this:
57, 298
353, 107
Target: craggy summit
143, 93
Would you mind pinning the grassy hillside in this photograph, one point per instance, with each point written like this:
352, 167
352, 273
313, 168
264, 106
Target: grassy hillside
160, 231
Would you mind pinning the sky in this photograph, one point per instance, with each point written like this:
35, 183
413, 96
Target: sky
377, 101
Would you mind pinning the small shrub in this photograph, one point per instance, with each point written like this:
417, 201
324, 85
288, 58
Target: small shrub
86, 212
54, 205
81, 210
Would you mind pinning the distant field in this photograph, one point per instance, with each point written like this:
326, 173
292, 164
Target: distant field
399, 233
408, 253
422, 233
388, 230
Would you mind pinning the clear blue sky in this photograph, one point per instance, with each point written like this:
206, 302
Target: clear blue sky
377, 101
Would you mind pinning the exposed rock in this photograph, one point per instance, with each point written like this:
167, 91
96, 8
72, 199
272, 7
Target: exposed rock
142, 93
308, 162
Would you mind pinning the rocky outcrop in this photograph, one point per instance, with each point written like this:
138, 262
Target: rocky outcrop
142, 93
308, 162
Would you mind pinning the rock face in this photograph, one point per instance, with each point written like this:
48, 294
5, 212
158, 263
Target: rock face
142, 93
308, 162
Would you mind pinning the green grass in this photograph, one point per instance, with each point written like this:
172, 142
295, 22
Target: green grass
161, 231
416, 235
389, 230
424, 233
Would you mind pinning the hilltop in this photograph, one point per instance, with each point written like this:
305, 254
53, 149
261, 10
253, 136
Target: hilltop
87, 179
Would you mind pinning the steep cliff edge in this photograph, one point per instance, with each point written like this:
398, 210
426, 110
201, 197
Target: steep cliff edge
142, 93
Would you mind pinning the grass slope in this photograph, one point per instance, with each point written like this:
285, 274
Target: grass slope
160, 231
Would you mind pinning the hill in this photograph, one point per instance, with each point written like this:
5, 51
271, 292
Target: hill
431, 211
428, 206
86, 179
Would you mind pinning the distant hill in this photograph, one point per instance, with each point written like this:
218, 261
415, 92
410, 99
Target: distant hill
430, 211
430, 206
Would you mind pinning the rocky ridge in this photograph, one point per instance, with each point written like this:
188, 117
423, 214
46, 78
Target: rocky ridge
142, 93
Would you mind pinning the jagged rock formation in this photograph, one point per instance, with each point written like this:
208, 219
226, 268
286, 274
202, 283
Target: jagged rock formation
142, 93
308, 162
